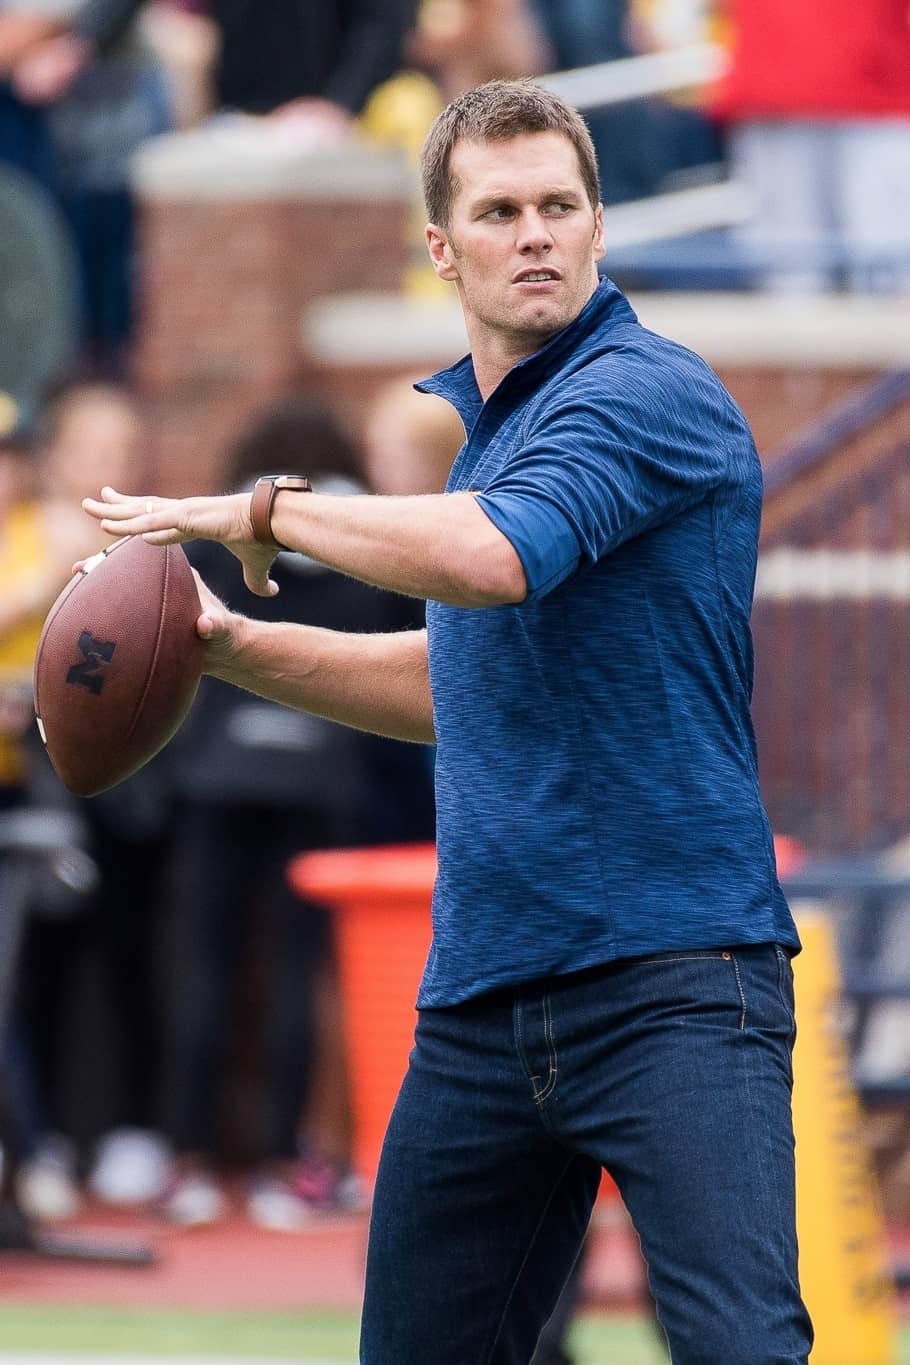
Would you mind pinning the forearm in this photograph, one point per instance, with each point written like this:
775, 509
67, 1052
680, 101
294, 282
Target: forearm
437, 546
378, 683
440, 546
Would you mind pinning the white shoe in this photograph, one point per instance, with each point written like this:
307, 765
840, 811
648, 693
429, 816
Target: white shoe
46, 1184
194, 1200
132, 1166
273, 1204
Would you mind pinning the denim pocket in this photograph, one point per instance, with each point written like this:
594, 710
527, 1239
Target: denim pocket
689, 979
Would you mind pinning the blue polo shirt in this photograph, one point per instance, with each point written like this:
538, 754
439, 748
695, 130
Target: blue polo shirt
596, 779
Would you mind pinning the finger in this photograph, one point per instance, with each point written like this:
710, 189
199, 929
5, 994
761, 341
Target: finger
260, 584
169, 537
121, 506
118, 511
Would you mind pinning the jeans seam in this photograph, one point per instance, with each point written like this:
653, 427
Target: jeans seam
742, 994
783, 964
524, 1260
551, 1053
519, 1040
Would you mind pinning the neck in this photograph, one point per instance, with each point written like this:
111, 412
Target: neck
494, 353
494, 356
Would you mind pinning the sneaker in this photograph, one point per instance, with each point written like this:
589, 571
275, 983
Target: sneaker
274, 1204
328, 1188
194, 1200
46, 1184
132, 1166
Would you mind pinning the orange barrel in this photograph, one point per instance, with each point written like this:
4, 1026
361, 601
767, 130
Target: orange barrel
381, 903
380, 898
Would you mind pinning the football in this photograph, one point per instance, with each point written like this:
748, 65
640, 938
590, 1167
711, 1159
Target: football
118, 663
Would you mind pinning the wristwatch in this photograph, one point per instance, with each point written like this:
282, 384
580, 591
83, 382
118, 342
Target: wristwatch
262, 501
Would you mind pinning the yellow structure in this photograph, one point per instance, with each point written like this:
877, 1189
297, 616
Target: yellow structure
23, 579
844, 1270
399, 114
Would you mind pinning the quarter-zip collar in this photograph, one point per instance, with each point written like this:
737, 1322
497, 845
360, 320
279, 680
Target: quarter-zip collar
585, 336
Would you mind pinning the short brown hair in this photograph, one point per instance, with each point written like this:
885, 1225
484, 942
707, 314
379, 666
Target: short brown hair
496, 112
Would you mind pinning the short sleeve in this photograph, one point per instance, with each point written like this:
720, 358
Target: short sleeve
606, 461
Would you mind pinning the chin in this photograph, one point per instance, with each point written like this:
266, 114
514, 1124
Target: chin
547, 320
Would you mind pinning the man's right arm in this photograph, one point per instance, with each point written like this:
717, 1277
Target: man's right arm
376, 682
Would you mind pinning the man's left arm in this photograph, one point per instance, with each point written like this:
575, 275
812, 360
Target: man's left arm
438, 546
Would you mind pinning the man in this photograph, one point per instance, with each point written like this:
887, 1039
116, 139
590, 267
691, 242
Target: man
609, 981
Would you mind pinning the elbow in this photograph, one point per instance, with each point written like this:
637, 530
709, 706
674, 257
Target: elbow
494, 577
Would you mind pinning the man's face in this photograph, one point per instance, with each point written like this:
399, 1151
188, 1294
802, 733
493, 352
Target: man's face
523, 241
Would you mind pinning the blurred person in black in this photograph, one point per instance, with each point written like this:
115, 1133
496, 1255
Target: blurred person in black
88, 980
257, 784
306, 59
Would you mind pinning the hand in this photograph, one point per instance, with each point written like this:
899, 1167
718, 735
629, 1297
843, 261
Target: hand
218, 628
47, 72
170, 521
322, 120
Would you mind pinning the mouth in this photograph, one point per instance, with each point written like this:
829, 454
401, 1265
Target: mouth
543, 275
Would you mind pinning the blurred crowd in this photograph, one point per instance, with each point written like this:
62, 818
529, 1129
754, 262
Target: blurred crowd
812, 114
181, 1015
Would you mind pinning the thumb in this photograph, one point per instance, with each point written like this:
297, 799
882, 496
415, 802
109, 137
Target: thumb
258, 580
212, 627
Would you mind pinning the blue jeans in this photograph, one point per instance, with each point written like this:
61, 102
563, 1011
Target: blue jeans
673, 1072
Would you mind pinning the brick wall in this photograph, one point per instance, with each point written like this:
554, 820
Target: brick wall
234, 247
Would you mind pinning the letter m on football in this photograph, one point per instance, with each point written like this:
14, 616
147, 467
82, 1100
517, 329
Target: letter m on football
88, 672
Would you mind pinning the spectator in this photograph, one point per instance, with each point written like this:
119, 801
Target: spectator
80, 97
466, 42
639, 144
818, 103
38, 543
90, 996
259, 783
185, 40
24, 587
307, 63
410, 440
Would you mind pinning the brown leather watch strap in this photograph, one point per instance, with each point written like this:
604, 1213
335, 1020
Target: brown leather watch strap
263, 500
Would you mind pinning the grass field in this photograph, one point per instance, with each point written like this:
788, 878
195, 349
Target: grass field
50, 1330
324, 1337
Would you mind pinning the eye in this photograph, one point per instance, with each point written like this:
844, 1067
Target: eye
499, 212
558, 209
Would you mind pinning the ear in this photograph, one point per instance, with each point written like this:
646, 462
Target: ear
599, 244
441, 253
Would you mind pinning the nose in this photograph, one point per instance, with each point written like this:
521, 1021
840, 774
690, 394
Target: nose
534, 233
